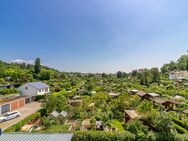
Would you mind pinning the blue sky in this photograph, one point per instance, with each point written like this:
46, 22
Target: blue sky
94, 35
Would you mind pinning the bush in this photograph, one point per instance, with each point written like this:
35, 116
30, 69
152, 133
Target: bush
102, 136
39, 97
126, 136
8, 91
56, 129
136, 127
168, 137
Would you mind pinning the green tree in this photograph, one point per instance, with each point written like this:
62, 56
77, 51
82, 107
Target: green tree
187, 64
172, 65
119, 74
144, 77
54, 102
165, 68
45, 75
155, 75
145, 107
163, 122
37, 66
182, 62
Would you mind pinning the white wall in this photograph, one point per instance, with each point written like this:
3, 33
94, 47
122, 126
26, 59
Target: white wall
43, 91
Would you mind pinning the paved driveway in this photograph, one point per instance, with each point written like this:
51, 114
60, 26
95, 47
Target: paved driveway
25, 111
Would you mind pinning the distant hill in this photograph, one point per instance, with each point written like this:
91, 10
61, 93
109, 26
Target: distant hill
22, 72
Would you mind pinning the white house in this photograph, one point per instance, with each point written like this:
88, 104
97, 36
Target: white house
34, 89
178, 74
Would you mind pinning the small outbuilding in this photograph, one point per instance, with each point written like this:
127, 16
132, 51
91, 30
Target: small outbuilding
76, 102
179, 98
168, 104
9, 86
86, 124
130, 114
114, 95
141, 94
134, 91
147, 96
185, 111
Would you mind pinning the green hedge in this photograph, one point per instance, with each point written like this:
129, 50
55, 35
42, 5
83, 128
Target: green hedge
179, 122
17, 127
126, 136
102, 136
180, 129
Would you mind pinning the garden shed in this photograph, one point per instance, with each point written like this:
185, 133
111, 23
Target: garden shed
130, 114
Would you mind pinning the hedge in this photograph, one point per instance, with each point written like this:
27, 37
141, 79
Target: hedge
180, 129
179, 122
102, 136
19, 125
126, 136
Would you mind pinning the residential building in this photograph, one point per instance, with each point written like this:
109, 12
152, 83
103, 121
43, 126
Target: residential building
178, 75
34, 89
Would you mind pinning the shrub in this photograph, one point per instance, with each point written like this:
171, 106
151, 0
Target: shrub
56, 129
168, 137
39, 97
102, 136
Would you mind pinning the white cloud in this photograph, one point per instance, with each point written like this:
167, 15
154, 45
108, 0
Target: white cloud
20, 61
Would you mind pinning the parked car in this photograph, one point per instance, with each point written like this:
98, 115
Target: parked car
9, 116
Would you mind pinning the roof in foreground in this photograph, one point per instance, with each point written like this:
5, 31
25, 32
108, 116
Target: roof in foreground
38, 85
35, 137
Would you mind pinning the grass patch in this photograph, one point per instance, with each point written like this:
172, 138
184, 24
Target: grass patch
117, 124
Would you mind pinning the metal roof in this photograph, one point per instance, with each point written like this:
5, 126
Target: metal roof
132, 114
35, 137
140, 93
38, 85
159, 100
153, 94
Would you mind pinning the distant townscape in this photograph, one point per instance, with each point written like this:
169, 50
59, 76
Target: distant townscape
145, 104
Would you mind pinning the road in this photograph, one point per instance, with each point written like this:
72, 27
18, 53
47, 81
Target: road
25, 111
